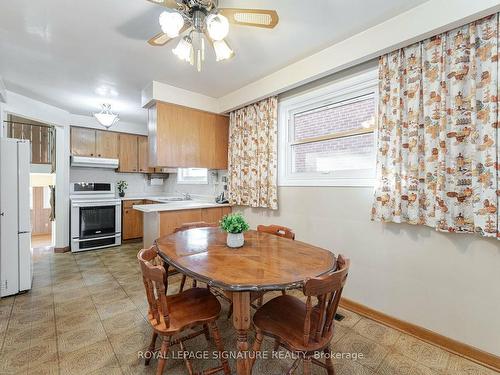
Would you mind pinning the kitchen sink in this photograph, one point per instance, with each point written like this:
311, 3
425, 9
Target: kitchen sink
170, 199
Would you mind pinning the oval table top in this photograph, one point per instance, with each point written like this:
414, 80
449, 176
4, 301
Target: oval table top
265, 262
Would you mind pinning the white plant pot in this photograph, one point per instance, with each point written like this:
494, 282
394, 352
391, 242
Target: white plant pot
235, 240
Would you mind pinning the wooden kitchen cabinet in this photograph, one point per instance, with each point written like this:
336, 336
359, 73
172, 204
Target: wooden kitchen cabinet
219, 156
186, 137
213, 215
106, 144
134, 154
128, 153
131, 150
169, 220
93, 142
83, 141
132, 220
143, 154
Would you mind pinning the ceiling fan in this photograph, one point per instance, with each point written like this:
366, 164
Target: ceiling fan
198, 21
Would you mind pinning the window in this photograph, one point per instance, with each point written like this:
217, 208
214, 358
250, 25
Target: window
187, 176
327, 136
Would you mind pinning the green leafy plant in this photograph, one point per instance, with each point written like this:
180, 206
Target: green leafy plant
234, 223
121, 186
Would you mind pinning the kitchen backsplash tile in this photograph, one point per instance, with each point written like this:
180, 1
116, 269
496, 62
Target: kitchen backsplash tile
139, 184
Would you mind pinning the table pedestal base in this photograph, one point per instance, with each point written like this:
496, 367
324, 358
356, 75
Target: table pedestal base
241, 322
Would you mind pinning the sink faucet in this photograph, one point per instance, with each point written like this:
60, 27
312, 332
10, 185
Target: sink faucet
186, 196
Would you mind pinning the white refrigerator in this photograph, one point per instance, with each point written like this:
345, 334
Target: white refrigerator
16, 264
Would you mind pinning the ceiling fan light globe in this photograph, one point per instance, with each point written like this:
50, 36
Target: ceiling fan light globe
222, 50
171, 23
217, 26
183, 50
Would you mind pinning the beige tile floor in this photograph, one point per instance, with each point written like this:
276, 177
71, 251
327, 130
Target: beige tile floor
41, 240
85, 315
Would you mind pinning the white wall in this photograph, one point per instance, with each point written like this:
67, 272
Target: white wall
448, 283
158, 91
120, 126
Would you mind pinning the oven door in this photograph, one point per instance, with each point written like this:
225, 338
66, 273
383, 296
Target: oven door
97, 221
95, 224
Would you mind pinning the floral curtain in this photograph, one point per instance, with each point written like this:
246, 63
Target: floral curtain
438, 136
252, 155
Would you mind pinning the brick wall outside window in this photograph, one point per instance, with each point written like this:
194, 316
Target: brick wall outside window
354, 152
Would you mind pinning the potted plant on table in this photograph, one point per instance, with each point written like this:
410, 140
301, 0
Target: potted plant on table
234, 225
121, 186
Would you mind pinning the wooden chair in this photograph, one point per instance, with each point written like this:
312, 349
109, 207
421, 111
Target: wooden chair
304, 329
277, 230
186, 226
174, 314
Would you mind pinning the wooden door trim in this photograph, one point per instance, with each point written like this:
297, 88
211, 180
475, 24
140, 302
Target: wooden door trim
59, 250
456, 347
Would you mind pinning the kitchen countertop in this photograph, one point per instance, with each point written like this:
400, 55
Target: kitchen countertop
144, 196
177, 206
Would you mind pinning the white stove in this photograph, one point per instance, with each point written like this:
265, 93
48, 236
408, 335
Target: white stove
95, 216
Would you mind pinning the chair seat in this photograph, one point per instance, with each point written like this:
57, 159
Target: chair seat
283, 318
192, 307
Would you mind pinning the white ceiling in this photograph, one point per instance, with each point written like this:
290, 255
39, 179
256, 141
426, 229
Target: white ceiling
78, 54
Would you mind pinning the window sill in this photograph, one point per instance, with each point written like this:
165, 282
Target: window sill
192, 182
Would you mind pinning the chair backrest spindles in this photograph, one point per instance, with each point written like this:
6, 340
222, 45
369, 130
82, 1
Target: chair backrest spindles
328, 290
156, 285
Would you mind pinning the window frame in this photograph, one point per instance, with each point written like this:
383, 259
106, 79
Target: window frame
185, 180
346, 90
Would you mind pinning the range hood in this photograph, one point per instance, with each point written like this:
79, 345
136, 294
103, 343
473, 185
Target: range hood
89, 162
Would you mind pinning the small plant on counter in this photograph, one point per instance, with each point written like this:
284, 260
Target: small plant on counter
234, 225
121, 186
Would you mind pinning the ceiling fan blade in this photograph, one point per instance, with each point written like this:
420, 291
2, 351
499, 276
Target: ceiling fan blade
161, 38
165, 3
251, 17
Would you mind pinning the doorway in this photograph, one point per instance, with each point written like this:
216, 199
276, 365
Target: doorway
42, 176
41, 207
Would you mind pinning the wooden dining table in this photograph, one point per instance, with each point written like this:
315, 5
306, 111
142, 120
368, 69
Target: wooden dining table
266, 262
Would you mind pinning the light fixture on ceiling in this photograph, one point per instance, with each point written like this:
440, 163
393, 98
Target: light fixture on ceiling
217, 26
106, 118
184, 49
222, 50
201, 20
171, 23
